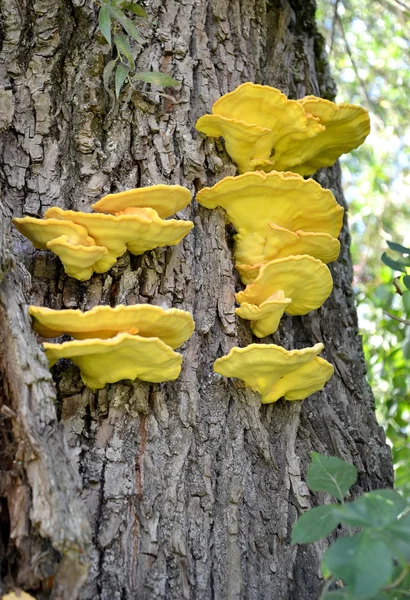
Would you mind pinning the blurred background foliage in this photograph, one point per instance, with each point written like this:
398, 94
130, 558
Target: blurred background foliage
369, 52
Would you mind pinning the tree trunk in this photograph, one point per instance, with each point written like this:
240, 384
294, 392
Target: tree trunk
188, 489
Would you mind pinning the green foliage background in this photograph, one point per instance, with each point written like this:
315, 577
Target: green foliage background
369, 50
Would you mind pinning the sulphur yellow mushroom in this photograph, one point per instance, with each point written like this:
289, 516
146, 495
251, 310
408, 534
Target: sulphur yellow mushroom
80, 262
275, 372
259, 126
166, 200
252, 250
138, 232
71, 242
303, 280
125, 356
263, 130
40, 231
277, 215
346, 128
172, 326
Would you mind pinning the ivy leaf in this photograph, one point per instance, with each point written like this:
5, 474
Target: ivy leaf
123, 46
126, 23
394, 264
315, 524
108, 70
104, 22
362, 562
330, 474
156, 78
398, 248
121, 75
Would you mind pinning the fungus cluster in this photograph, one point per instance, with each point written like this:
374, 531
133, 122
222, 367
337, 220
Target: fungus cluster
286, 226
92, 242
286, 232
264, 130
110, 344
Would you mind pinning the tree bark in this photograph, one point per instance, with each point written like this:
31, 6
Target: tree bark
188, 489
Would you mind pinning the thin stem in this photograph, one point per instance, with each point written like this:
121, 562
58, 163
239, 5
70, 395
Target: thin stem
333, 29
398, 579
326, 588
399, 319
352, 60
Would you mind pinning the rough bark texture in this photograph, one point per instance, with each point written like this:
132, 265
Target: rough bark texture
189, 489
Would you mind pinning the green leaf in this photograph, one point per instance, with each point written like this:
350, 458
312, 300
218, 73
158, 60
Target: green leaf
406, 281
315, 524
136, 9
406, 301
104, 22
375, 509
397, 536
398, 248
362, 562
121, 75
123, 46
156, 78
393, 264
128, 25
108, 70
330, 474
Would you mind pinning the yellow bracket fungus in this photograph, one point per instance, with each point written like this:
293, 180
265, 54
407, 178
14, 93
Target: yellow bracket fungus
263, 130
275, 372
124, 356
172, 326
138, 232
253, 250
166, 200
40, 232
304, 280
259, 125
276, 215
80, 261
253, 200
70, 241
346, 128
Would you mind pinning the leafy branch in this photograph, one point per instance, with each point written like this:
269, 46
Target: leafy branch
372, 563
119, 30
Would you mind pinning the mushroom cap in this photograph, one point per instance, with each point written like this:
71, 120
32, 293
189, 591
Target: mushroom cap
266, 317
172, 326
80, 261
253, 200
303, 279
253, 250
138, 232
165, 199
259, 125
40, 231
346, 128
275, 372
124, 356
